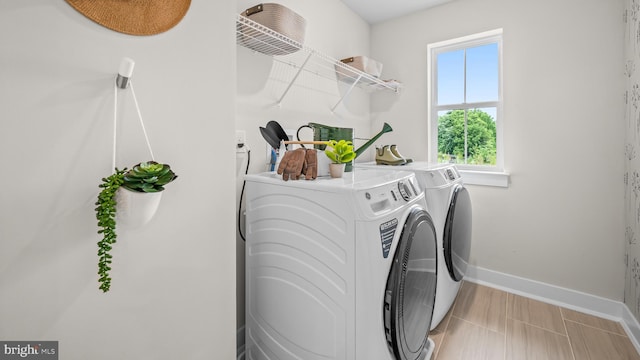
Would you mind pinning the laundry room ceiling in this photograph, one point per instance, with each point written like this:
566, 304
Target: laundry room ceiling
374, 11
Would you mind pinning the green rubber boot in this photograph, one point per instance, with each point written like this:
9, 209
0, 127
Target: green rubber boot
384, 156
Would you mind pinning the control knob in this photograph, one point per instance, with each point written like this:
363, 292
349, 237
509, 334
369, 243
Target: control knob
405, 192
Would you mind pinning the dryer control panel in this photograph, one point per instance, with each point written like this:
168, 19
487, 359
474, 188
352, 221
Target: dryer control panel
451, 174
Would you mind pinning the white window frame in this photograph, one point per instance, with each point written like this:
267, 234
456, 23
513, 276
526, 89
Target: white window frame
472, 174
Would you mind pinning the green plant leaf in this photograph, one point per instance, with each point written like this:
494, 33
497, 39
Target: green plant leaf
105, 214
340, 152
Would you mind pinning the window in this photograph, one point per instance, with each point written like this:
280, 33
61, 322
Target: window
465, 102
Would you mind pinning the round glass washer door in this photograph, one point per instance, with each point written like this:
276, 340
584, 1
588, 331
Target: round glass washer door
411, 288
457, 233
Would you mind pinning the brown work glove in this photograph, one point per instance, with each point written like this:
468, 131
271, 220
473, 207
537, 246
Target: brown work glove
310, 168
291, 164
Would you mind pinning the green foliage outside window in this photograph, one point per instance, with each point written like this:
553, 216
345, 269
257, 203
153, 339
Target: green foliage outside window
481, 138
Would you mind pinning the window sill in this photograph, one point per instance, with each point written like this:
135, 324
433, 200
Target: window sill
485, 178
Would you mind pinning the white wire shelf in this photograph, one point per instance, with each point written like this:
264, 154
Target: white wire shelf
261, 39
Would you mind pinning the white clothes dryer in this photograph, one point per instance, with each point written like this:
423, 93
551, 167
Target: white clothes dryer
449, 204
339, 268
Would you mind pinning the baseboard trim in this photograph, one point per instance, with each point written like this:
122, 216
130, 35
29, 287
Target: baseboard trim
556, 295
631, 326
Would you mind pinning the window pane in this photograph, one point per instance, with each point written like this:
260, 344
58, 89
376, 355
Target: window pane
450, 77
482, 73
451, 136
481, 136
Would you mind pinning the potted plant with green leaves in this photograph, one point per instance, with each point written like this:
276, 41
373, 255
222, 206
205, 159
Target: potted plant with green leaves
340, 152
121, 192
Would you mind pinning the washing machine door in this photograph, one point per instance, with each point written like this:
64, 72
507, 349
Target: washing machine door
411, 287
457, 233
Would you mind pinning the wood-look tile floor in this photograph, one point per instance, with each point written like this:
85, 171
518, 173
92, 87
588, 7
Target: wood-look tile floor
486, 323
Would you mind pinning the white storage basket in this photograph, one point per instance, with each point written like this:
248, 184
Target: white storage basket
280, 30
364, 64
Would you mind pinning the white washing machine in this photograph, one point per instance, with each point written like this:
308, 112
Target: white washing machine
339, 268
449, 205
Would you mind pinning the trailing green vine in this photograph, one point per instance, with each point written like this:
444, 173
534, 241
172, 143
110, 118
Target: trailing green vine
106, 215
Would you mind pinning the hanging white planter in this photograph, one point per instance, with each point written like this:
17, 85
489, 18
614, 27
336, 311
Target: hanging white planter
116, 203
135, 209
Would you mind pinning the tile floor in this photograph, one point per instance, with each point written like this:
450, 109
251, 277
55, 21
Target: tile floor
486, 323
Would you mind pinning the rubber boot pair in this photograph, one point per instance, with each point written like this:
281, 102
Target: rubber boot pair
389, 155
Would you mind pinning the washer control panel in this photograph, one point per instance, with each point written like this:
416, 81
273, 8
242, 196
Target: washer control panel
390, 196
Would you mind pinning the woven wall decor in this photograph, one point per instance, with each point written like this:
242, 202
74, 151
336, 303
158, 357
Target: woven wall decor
134, 17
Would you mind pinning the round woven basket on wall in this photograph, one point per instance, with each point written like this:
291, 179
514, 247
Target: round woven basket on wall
134, 17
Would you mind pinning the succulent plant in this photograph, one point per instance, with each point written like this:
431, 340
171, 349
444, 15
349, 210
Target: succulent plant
148, 176
341, 152
145, 177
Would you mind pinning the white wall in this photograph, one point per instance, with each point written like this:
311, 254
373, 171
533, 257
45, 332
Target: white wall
561, 220
332, 29
172, 294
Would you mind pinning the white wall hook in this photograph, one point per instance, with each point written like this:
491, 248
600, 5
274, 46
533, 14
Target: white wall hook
125, 72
